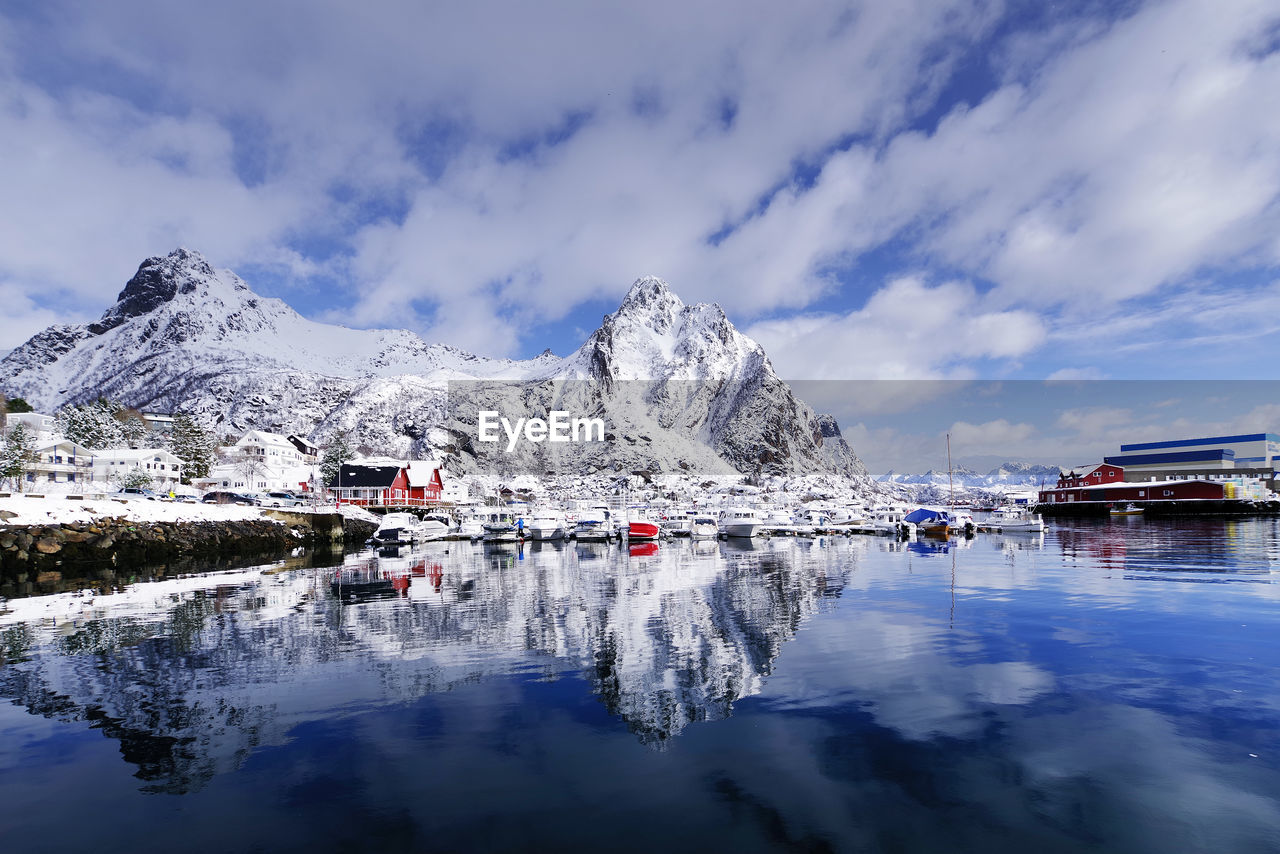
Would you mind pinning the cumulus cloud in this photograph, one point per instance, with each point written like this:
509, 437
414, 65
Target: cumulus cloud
907, 330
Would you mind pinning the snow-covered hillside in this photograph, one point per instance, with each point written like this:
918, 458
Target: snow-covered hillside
679, 387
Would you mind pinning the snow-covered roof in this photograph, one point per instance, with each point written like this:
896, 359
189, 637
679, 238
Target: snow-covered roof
421, 471
262, 437
134, 454
54, 443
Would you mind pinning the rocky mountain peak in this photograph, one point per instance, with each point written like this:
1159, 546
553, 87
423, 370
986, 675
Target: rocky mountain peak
159, 279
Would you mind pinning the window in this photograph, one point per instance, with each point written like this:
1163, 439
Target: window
71, 477
1168, 492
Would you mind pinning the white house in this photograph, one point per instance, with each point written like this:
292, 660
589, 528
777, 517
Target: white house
270, 449
113, 465
62, 461
36, 421
240, 477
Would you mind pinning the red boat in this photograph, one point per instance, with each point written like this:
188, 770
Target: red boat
642, 530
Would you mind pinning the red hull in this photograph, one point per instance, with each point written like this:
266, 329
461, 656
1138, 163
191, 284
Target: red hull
642, 531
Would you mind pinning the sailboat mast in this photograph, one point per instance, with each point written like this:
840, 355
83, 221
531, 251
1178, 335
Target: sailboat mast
951, 485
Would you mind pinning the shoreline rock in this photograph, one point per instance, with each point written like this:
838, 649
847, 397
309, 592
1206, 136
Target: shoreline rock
37, 556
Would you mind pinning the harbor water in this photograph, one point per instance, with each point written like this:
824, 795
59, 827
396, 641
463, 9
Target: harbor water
1108, 685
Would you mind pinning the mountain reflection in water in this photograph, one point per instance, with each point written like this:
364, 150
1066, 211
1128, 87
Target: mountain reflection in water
192, 674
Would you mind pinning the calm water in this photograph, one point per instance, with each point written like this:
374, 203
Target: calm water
1106, 687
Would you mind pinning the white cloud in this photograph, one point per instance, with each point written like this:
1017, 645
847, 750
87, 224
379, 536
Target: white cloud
1114, 161
907, 330
990, 437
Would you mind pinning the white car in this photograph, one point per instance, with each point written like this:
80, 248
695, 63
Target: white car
282, 499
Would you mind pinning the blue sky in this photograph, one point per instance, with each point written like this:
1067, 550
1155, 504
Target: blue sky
932, 190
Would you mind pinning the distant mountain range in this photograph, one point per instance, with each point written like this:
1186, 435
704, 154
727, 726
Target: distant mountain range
1007, 474
678, 386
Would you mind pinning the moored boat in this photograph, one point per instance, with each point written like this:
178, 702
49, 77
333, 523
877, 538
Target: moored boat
547, 525
931, 523
594, 523
703, 528
1012, 518
397, 529
891, 521
740, 521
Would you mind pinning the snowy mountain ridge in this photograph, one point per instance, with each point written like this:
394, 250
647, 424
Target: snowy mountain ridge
682, 388
1009, 473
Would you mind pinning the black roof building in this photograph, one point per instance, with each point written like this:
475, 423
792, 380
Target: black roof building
365, 477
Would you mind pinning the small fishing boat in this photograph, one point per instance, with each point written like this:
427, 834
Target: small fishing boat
778, 523
1126, 510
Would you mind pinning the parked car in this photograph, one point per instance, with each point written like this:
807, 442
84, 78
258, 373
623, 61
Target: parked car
219, 496
137, 492
282, 499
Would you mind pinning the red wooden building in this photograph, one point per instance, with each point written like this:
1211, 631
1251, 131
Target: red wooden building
371, 485
425, 485
1105, 484
415, 484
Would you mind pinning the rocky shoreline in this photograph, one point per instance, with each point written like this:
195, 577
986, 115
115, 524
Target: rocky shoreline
34, 559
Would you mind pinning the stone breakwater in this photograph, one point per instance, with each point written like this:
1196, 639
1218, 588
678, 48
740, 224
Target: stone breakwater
30, 553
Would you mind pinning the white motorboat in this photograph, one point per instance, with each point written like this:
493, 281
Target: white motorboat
1013, 518
740, 521
850, 518
594, 523
398, 529
435, 527
891, 521
703, 528
811, 521
547, 525
779, 523
962, 523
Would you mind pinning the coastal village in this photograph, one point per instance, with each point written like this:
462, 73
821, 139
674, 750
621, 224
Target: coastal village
407, 501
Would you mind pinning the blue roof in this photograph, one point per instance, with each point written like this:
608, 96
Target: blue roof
1209, 440
1179, 457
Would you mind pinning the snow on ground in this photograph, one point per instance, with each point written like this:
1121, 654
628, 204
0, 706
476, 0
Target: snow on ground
52, 509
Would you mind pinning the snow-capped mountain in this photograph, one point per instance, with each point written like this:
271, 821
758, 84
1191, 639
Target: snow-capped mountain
678, 386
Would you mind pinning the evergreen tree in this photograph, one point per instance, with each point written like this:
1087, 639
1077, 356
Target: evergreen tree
92, 425
17, 404
136, 478
17, 454
192, 443
337, 453
134, 431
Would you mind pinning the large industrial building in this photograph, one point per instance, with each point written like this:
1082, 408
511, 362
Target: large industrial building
1212, 469
1252, 455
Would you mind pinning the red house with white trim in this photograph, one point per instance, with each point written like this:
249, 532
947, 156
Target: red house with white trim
425, 485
